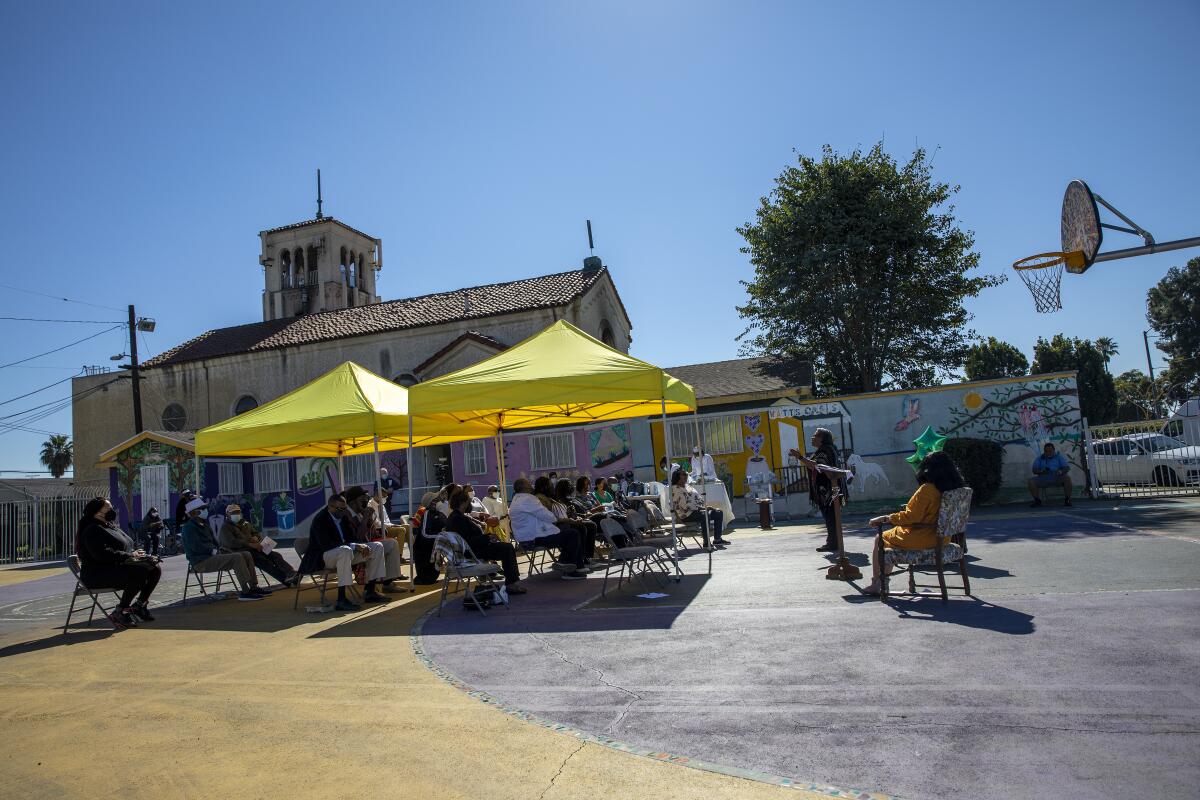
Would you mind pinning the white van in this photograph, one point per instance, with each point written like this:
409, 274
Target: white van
1184, 424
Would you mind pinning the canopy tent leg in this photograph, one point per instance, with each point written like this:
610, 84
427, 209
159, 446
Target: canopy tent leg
501, 472
195, 477
708, 537
411, 542
341, 471
670, 508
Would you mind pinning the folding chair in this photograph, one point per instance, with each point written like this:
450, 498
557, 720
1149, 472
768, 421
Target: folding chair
324, 574
81, 589
628, 557
537, 555
950, 547
663, 543
199, 576
459, 562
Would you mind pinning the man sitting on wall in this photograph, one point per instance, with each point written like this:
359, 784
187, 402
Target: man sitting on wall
364, 527
331, 546
534, 524
204, 555
1050, 469
238, 535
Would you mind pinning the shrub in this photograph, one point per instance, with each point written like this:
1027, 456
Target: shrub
980, 461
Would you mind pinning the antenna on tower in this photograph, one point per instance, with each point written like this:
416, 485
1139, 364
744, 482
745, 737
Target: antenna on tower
591, 245
319, 214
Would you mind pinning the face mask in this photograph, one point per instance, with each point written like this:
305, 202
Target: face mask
493, 495
203, 514
110, 515
235, 518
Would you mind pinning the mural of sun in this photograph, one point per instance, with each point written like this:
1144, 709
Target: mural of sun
972, 400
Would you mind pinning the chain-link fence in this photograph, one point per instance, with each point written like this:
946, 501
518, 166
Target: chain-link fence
1138, 459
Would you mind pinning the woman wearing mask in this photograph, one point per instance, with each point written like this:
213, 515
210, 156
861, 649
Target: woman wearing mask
821, 490
108, 559
482, 545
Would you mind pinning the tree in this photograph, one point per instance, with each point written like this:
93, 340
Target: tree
859, 267
1097, 394
1107, 348
57, 454
992, 358
1173, 310
1138, 398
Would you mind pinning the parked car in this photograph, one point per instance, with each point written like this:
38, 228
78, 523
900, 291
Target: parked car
1146, 458
1184, 424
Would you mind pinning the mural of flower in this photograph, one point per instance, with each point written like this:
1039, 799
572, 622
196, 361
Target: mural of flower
972, 401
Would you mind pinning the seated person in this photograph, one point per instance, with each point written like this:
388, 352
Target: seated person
703, 468
916, 523
205, 555
385, 528
543, 489
152, 528
238, 535
496, 508
564, 497
668, 469
366, 528
485, 547
534, 524
181, 516
108, 559
331, 546
583, 504
601, 494
1050, 469
688, 506
427, 523
443, 501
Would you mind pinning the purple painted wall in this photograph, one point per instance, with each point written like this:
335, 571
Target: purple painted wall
600, 450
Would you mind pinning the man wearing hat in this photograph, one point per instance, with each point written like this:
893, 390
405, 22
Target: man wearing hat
204, 555
237, 535
366, 527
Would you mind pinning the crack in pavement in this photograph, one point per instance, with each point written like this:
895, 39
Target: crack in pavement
561, 767
634, 697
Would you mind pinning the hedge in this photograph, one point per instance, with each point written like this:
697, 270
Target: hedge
980, 461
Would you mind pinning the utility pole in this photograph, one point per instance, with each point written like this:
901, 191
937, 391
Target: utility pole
135, 373
1150, 366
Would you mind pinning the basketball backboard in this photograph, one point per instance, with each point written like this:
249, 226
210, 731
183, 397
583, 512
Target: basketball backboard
1081, 231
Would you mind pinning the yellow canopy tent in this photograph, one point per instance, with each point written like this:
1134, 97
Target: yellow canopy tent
561, 376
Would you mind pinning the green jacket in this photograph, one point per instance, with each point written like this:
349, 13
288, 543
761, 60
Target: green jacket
198, 542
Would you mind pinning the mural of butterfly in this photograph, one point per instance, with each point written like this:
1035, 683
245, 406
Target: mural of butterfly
910, 412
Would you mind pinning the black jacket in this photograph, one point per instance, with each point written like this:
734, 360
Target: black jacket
469, 530
323, 534
101, 546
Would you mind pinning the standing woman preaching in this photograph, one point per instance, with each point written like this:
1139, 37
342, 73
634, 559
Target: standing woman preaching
820, 487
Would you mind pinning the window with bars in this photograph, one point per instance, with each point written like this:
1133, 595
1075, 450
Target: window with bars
272, 476
552, 451
229, 478
360, 469
475, 456
722, 436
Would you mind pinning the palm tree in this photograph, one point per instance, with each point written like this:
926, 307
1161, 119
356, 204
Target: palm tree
57, 454
1107, 348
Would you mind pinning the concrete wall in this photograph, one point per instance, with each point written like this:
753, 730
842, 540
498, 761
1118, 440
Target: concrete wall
208, 390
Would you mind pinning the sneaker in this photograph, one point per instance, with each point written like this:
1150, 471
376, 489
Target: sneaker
512, 589
142, 613
121, 620
563, 566
346, 605
261, 592
827, 548
1067, 501
574, 575
391, 588
376, 597
723, 542
1035, 504
249, 596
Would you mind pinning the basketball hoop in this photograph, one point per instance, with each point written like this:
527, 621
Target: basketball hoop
1042, 274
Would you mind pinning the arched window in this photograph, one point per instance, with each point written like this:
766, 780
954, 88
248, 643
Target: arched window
311, 262
606, 334
174, 418
285, 268
353, 276
406, 379
244, 403
297, 267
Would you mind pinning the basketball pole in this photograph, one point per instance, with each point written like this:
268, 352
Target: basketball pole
1145, 250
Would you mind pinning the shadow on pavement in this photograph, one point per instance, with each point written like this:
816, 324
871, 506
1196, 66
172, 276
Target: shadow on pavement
969, 612
57, 639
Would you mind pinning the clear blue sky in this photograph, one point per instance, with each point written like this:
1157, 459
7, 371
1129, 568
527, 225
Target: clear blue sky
146, 144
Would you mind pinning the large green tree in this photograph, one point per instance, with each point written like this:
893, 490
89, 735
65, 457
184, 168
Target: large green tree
861, 268
992, 358
57, 454
1173, 310
1138, 398
1097, 394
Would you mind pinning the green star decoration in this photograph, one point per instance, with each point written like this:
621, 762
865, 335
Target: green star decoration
915, 459
927, 441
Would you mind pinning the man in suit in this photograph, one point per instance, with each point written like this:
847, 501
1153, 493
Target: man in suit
367, 528
331, 545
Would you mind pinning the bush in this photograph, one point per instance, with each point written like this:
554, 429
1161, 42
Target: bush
980, 461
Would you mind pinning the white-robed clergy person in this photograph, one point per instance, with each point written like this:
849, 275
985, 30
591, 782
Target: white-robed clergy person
703, 468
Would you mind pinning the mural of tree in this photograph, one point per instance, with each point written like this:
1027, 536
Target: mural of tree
127, 476
182, 468
1032, 413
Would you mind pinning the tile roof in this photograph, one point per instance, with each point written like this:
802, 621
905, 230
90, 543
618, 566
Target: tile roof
728, 378
476, 302
473, 336
308, 222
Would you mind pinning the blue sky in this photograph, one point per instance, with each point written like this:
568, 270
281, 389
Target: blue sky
146, 144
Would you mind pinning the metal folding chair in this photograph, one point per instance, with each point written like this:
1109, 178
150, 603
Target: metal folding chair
81, 589
460, 563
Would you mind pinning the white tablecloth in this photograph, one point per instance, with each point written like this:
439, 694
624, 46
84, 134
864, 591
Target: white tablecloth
717, 497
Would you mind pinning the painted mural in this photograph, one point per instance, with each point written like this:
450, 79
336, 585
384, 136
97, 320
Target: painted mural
599, 450
125, 478
608, 445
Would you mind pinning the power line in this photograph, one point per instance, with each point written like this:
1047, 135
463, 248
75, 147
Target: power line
64, 347
35, 391
56, 297
80, 321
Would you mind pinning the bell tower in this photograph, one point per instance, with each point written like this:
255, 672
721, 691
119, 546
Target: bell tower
321, 264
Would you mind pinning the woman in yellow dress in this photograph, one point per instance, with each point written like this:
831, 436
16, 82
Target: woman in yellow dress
915, 524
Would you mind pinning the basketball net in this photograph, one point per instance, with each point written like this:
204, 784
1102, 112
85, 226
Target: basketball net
1042, 275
